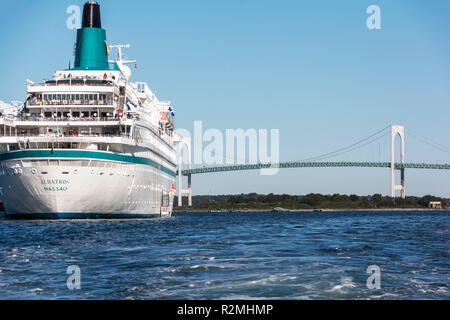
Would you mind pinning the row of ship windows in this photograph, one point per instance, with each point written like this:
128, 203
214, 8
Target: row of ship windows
75, 163
91, 96
67, 98
19, 171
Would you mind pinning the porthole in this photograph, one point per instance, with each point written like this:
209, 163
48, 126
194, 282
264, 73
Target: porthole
33, 171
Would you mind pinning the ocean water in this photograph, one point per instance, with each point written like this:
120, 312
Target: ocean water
317, 255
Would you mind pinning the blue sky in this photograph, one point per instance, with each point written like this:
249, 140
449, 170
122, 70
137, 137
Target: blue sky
309, 68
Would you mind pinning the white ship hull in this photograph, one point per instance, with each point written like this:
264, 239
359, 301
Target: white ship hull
89, 142
108, 190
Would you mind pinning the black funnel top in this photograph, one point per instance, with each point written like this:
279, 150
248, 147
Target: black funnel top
91, 15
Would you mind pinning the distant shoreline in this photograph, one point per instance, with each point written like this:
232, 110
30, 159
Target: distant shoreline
312, 202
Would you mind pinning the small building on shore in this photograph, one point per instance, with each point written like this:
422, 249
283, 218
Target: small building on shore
435, 205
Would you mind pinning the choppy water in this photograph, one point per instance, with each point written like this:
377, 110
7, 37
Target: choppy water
230, 256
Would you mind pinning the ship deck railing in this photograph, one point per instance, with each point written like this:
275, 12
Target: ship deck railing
72, 103
56, 135
66, 119
68, 103
74, 82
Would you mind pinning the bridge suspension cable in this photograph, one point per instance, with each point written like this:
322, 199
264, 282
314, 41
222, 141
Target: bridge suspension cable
354, 146
428, 141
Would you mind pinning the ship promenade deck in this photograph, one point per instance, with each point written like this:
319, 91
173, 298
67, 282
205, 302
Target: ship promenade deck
63, 121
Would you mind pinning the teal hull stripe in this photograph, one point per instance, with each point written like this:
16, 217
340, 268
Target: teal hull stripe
83, 154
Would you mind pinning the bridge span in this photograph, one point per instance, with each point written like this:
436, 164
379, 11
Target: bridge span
300, 164
393, 131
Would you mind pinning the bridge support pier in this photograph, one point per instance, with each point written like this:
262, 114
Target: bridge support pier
184, 141
189, 190
400, 130
182, 191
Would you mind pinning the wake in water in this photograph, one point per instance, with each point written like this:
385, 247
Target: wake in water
230, 256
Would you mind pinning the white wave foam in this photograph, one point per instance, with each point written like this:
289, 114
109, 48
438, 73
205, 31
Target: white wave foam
346, 283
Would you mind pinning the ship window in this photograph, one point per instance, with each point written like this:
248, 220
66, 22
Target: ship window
76, 114
85, 114
47, 114
58, 97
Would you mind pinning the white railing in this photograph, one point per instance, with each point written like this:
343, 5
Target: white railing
74, 82
66, 119
68, 103
75, 135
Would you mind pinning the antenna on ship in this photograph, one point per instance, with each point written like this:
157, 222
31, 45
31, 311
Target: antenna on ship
120, 62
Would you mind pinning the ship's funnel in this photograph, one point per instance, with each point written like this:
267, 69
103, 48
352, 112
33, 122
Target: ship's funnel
91, 15
91, 51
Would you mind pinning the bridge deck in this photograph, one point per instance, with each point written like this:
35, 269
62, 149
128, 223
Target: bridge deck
240, 167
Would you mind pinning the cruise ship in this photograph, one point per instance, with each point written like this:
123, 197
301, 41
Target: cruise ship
88, 142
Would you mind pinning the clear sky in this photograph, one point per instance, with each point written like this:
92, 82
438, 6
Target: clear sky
309, 68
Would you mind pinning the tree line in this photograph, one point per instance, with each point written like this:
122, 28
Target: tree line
310, 201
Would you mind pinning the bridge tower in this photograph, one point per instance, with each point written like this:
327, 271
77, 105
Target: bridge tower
398, 130
183, 141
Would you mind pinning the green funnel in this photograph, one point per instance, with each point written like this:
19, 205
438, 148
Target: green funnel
91, 51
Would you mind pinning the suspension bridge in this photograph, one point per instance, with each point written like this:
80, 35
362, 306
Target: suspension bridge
317, 161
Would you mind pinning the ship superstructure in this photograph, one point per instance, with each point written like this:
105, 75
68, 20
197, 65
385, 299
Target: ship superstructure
88, 142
